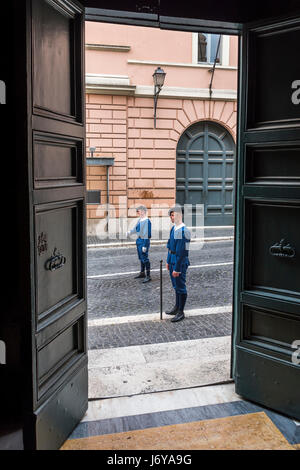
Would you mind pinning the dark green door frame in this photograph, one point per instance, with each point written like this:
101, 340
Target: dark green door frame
257, 362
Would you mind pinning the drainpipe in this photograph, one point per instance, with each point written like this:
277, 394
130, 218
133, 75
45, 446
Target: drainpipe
107, 200
214, 68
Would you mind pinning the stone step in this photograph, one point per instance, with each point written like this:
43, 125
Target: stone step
134, 370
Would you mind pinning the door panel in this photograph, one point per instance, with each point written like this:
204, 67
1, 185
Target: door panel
60, 413
267, 301
268, 381
52, 56
59, 356
272, 266
56, 43
275, 164
56, 134
271, 85
205, 168
57, 265
56, 161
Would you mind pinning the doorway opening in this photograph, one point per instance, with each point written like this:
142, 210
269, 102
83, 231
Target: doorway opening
188, 159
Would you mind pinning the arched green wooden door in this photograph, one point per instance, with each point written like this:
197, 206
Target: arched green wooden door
205, 172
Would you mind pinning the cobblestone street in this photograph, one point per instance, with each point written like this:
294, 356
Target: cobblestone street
147, 332
113, 296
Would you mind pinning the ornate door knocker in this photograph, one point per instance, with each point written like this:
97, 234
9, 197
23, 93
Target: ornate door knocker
56, 261
282, 249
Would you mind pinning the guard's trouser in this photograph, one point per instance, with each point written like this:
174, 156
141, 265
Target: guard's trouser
143, 257
179, 283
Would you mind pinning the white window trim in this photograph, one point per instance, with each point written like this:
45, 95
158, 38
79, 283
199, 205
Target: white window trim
225, 49
200, 65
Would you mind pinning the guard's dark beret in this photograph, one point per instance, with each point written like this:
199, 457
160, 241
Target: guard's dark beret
141, 208
176, 208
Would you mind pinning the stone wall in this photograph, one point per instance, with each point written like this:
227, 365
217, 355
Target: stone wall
144, 171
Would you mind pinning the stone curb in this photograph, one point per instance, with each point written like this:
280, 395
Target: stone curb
157, 242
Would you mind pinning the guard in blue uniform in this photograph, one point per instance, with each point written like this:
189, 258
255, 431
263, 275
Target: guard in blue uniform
178, 261
143, 230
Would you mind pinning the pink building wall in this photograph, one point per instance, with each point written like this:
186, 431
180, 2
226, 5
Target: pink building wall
120, 124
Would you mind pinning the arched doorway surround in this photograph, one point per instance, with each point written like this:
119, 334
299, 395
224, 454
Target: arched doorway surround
205, 171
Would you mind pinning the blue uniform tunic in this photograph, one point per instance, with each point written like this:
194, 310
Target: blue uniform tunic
178, 257
143, 230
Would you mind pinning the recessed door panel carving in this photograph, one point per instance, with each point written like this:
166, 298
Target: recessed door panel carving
56, 265
56, 69
275, 91
56, 161
52, 58
273, 247
54, 358
277, 164
270, 330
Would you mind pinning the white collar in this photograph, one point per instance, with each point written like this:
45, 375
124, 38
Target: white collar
142, 219
177, 227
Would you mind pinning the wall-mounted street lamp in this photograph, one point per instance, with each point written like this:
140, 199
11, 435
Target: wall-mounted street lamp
92, 150
158, 79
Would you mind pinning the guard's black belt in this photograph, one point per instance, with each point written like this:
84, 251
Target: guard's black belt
172, 252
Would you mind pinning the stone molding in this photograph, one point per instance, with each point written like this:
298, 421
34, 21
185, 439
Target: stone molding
120, 85
107, 47
180, 64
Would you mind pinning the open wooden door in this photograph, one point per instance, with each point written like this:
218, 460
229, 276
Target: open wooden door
267, 261
56, 387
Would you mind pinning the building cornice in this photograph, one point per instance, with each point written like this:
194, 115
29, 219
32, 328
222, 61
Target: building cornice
187, 93
120, 85
108, 84
110, 90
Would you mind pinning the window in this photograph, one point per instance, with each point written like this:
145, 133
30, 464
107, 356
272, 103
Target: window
209, 48
93, 197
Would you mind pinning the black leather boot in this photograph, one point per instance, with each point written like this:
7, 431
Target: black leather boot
179, 316
140, 276
173, 311
147, 278
180, 313
175, 308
